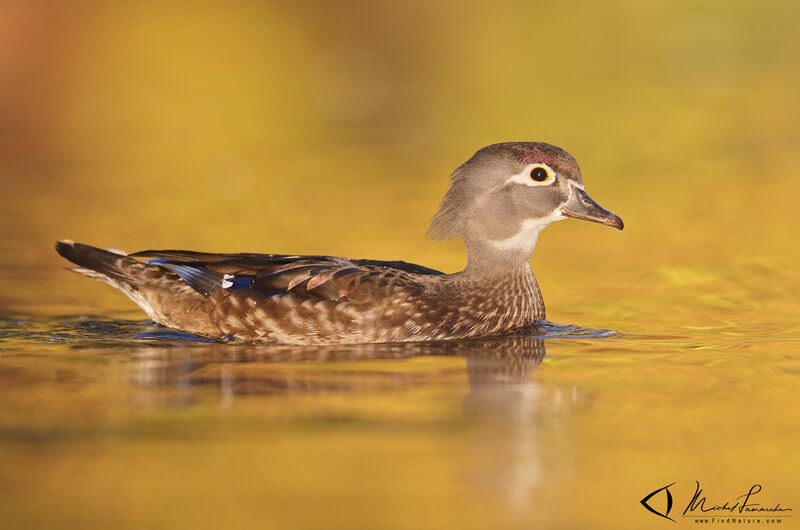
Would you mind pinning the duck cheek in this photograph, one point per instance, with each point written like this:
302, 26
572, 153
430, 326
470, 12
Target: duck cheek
549, 204
530, 206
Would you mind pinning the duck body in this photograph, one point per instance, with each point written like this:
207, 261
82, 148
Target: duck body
498, 202
311, 299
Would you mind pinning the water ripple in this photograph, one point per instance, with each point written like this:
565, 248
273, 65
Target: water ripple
94, 331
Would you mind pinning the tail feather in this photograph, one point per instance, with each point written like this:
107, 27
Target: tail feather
96, 262
161, 293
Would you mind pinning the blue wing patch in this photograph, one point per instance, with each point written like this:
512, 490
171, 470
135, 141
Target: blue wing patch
237, 282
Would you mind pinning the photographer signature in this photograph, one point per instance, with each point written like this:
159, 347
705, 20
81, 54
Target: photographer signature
742, 504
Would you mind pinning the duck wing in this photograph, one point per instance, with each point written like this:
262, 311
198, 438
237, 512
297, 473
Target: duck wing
323, 277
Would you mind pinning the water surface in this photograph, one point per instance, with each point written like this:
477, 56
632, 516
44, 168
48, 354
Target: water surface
119, 423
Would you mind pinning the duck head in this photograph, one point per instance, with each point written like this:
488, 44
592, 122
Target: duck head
507, 193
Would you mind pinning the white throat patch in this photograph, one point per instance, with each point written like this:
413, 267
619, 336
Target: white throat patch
528, 234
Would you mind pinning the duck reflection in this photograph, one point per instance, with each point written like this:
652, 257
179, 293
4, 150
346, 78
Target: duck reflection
502, 409
495, 363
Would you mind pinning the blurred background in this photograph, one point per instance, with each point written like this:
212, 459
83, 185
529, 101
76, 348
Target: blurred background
332, 127
329, 127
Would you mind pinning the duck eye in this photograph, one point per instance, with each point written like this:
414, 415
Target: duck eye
540, 174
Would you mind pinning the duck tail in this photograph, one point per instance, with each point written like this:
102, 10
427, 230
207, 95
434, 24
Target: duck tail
112, 266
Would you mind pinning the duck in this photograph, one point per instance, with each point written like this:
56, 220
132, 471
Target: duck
498, 202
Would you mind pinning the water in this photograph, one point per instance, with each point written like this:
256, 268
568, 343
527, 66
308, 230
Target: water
673, 353
119, 423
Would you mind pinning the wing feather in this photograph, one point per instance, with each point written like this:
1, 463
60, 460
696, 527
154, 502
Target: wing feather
324, 277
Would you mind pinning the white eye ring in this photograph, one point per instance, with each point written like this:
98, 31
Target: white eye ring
526, 176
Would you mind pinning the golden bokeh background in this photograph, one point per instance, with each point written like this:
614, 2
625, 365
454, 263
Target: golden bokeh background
330, 127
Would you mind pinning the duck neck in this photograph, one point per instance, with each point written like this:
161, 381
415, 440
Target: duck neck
485, 261
504, 276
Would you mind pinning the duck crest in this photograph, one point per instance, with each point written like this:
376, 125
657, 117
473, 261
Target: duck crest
280, 298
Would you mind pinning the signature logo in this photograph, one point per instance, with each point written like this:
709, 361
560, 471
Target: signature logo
646, 500
742, 509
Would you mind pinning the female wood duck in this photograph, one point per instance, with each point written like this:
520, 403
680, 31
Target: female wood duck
498, 202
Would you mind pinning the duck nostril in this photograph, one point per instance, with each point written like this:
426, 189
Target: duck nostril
586, 202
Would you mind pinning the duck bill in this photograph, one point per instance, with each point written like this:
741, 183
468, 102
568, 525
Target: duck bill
581, 206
